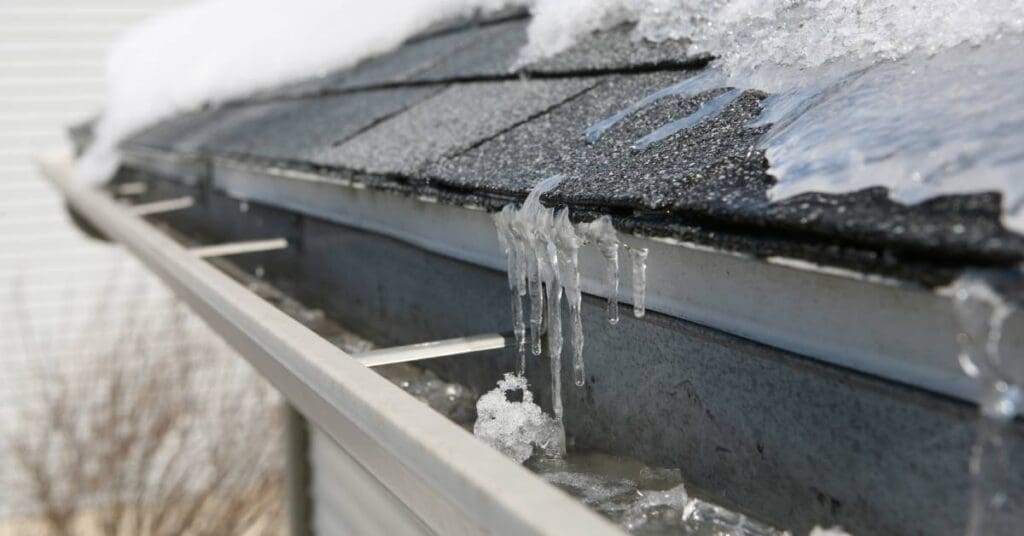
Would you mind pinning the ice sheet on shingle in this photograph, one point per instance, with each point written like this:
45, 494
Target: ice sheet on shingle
452, 121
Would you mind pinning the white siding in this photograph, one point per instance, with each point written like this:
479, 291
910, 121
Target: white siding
51, 277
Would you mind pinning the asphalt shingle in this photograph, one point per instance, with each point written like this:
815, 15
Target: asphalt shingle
451, 121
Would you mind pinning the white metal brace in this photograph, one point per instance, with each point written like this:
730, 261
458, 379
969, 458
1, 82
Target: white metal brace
434, 349
165, 205
237, 248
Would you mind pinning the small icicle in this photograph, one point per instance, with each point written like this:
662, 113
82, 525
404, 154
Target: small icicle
982, 313
638, 256
568, 244
602, 233
526, 225
536, 289
555, 342
516, 279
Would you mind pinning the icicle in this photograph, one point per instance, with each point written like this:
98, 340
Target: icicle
638, 256
568, 250
543, 259
982, 312
536, 302
555, 342
602, 233
510, 244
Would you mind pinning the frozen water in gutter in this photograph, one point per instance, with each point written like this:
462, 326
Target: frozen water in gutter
641, 499
982, 312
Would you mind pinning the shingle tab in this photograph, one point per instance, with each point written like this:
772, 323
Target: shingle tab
290, 130
452, 121
617, 50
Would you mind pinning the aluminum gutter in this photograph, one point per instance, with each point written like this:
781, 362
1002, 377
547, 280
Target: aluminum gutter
449, 480
870, 324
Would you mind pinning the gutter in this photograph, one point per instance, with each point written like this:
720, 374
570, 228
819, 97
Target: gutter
441, 473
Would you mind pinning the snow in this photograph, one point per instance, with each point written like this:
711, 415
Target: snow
751, 34
215, 50
926, 89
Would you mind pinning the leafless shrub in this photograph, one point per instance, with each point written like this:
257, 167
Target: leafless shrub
159, 432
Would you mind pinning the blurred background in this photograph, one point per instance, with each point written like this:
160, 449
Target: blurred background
120, 413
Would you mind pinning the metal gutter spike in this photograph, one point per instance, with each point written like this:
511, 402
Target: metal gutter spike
434, 349
238, 248
159, 207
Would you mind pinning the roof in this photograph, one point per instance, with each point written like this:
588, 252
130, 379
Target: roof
452, 116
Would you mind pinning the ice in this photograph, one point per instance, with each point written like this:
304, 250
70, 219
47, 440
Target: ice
708, 109
689, 87
641, 499
982, 312
923, 126
652, 504
517, 429
211, 51
567, 247
918, 98
602, 234
638, 259
453, 400
516, 279
550, 244
702, 517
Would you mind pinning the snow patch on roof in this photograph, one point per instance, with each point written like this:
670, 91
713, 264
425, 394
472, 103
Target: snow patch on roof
747, 35
217, 50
